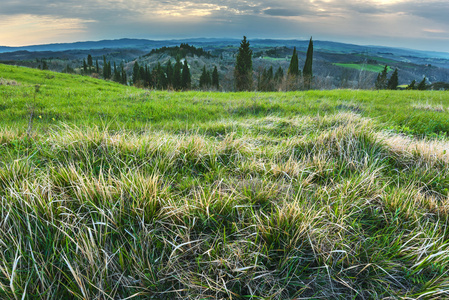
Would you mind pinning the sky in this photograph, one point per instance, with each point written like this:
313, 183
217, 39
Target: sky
416, 24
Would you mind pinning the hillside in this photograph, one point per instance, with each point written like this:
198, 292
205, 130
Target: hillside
336, 65
114, 192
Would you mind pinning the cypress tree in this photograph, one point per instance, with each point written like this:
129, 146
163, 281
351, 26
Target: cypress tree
186, 78
243, 67
307, 71
393, 81
89, 62
97, 66
44, 65
215, 78
293, 68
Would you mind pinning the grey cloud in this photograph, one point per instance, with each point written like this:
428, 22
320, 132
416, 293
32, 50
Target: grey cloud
283, 12
363, 7
432, 10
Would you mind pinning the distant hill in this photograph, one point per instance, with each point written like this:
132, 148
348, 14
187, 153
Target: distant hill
211, 42
182, 51
339, 64
113, 44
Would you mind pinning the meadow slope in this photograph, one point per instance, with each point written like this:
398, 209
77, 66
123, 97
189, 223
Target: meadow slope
111, 192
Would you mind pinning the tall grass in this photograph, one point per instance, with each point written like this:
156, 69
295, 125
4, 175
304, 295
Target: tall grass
333, 209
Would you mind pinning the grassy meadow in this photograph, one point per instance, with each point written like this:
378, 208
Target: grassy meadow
112, 192
364, 67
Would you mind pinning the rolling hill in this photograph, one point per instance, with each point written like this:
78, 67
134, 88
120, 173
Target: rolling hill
337, 64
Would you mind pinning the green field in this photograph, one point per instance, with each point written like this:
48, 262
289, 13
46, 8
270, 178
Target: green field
269, 58
112, 192
84, 101
364, 67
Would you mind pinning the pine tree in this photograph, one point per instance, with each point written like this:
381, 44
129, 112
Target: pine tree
44, 65
393, 81
169, 73
136, 73
243, 67
105, 66
109, 70
208, 79
68, 69
84, 66
307, 71
97, 66
422, 85
204, 80
177, 76
148, 82
266, 80
142, 76
117, 74
381, 80
269, 79
293, 68
215, 79
124, 77
412, 86
160, 81
279, 75
186, 78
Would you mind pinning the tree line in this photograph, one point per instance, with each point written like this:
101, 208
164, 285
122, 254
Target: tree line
170, 76
384, 83
268, 80
178, 76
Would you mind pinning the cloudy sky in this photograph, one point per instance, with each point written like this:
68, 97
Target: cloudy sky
419, 24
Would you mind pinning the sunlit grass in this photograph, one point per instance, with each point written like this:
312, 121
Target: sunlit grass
306, 195
363, 67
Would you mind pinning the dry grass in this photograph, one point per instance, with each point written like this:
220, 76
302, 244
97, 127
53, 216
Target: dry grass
428, 106
334, 211
430, 151
4, 81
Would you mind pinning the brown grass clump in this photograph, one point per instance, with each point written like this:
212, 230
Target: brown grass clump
4, 81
